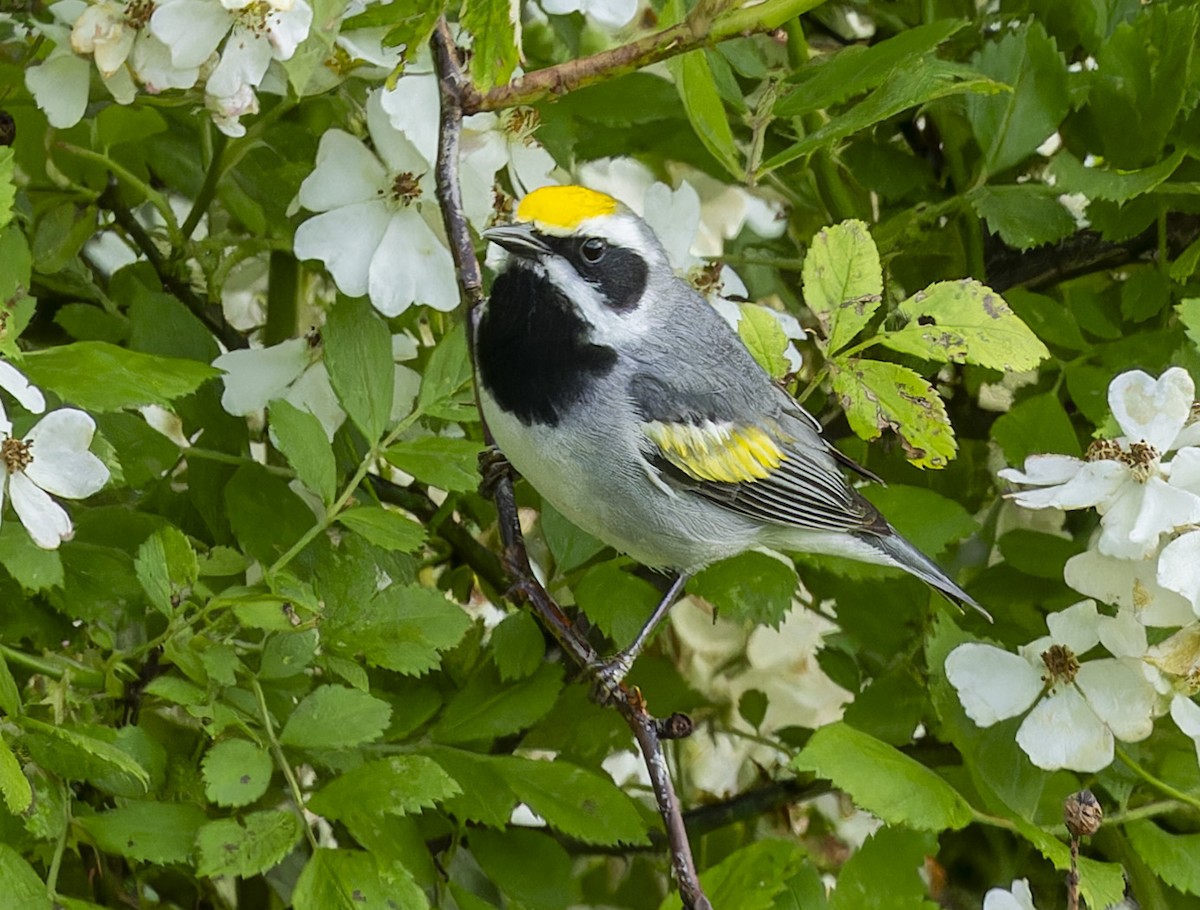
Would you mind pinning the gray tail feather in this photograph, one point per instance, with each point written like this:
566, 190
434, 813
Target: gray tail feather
913, 560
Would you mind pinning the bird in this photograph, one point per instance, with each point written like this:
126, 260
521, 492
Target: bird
626, 400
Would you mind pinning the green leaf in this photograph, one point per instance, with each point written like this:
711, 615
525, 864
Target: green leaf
33, 568
152, 832
885, 873
1038, 424
166, 566
409, 22
617, 601
926, 80
1188, 311
581, 804
10, 695
752, 587
843, 281
1024, 215
446, 390
334, 717
753, 877
698, 90
929, 520
883, 780
445, 462
857, 68
353, 880
89, 754
23, 888
486, 796
384, 528
60, 234
16, 267
877, 395
14, 786
403, 628
131, 379
317, 46
570, 546
301, 438
965, 322
764, 338
236, 772
485, 708
517, 646
8, 189
358, 355
1038, 554
1049, 319
1111, 183
399, 785
494, 51
532, 870
1171, 856
246, 846
266, 515
1010, 126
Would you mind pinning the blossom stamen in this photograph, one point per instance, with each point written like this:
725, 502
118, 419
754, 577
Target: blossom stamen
406, 189
17, 454
1061, 665
138, 13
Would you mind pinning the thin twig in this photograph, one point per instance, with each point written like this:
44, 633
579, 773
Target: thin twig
454, 88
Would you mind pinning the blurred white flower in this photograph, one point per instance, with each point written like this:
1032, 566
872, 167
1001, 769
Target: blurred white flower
1132, 584
28, 395
374, 227
1138, 497
1078, 709
1019, 897
609, 13
52, 458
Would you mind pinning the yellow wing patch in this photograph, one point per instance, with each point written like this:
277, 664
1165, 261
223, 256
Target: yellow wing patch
720, 452
559, 209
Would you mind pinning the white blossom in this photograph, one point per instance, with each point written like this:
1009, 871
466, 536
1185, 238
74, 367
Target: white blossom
114, 33
1132, 584
1019, 897
29, 396
52, 458
611, 14
1077, 708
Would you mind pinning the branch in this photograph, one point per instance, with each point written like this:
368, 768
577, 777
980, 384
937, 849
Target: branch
454, 89
704, 26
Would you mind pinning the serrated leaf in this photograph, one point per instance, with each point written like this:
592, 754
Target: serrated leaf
753, 586
1024, 215
334, 717
926, 80
446, 381
885, 873
353, 880
517, 646
1171, 856
166, 566
1188, 311
8, 190
409, 23
403, 628
486, 708
236, 772
883, 780
88, 747
445, 462
1111, 183
486, 796
965, 322
698, 90
23, 888
530, 867
130, 379
399, 785
148, 831
843, 281
358, 355
384, 528
33, 568
764, 338
577, 802
618, 602
877, 396
14, 786
494, 53
751, 878
857, 68
301, 438
1011, 125
246, 846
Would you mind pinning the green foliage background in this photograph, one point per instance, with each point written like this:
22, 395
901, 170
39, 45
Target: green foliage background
208, 649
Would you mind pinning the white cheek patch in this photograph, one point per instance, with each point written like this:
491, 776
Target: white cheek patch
609, 327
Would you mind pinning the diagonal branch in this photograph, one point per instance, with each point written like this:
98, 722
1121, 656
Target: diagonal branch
649, 732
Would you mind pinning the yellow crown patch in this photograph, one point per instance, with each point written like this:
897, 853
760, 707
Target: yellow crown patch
558, 209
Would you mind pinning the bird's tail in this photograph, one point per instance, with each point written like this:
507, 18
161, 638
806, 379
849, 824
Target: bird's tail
913, 560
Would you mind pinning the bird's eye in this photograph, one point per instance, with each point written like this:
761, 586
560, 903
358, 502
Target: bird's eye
593, 249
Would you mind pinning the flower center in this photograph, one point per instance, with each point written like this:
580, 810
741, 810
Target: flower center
1061, 665
138, 13
17, 454
706, 278
253, 16
406, 189
1141, 457
521, 123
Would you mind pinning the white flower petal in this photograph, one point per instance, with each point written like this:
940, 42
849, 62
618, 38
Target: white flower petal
14, 382
1186, 714
992, 684
1019, 898
1149, 410
412, 264
254, 377
1129, 583
1077, 627
1063, 732
60, 88
530, 167
1179, 568
192, 29
151, 63
411, 110
1185, 469
1163, 508
1044, 470
287, 29
346, 239
61, 463
45, 520
313, 392
675, 217
346, 172
1118, 692
244, 62
1095, 484
1123, 635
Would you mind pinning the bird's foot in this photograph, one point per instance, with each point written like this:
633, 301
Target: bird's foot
493, 468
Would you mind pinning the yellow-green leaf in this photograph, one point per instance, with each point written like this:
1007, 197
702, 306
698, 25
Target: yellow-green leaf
965, 322
765, 338
877, 396
843, 281
493, 25
698, 90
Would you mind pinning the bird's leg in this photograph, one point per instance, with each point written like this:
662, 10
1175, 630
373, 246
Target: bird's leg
611, 671
493, 467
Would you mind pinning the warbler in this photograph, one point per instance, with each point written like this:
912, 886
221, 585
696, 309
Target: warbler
626, 400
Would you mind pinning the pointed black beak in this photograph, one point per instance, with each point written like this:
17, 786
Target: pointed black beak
518, 239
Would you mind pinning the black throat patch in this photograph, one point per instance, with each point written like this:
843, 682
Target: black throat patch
534, 356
